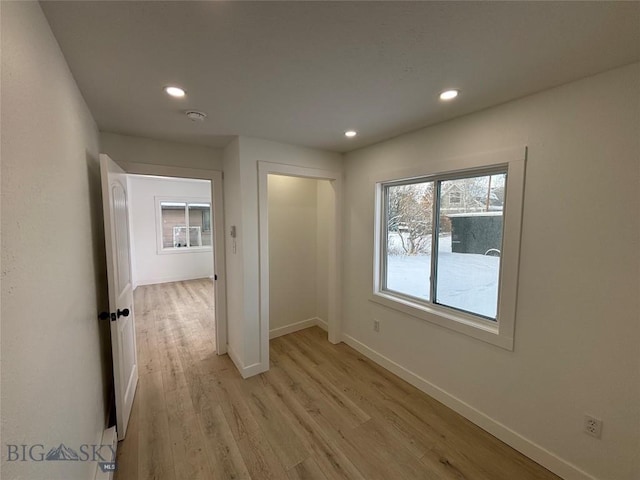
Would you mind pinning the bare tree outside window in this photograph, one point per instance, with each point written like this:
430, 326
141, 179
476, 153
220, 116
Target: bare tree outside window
410, 217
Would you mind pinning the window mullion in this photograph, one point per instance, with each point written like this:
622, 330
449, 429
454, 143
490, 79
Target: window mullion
435, 227
186, 222
384, 237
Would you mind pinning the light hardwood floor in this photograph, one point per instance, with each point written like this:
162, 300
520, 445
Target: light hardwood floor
323, 411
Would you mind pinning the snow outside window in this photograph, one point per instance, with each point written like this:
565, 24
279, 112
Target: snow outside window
445, 245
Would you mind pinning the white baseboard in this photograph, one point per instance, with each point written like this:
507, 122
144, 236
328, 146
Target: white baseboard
322, 324
176, 278
235, 359
110, 438
248, 371
532, 450
253, 369
294, 327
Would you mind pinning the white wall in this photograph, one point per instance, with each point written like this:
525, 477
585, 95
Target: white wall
149, 266
233, 253
125, 149
295, 258
577, 326
55, 372
325, 203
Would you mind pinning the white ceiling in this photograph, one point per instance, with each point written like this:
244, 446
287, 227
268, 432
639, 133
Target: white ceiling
303, 72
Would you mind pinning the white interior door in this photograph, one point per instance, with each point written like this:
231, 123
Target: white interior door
122, 319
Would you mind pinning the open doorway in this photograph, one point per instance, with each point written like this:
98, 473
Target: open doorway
172, 267
214, 264
311, 234
169, 235
299, 211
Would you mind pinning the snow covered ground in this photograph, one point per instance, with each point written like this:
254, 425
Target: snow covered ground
465, 281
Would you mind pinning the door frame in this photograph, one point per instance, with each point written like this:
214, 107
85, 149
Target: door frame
219, 263
334, 320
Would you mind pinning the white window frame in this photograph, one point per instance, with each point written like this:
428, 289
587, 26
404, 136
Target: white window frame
160, 248
499, 332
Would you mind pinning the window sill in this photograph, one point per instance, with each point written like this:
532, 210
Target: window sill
177, 250
476, 327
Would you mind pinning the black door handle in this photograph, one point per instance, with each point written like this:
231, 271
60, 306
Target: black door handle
114, 316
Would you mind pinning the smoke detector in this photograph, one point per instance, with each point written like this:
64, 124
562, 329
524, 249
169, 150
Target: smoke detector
196, 116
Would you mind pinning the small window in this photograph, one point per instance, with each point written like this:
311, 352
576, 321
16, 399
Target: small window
455, 198
184, 225
441, 250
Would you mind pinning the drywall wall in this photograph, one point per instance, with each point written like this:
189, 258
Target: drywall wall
293, 251
241, 209
125, 149
325, 203
55, 372
233, 253
577, 326
149, 264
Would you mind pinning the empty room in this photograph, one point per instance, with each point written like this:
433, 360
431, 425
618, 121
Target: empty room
320, 240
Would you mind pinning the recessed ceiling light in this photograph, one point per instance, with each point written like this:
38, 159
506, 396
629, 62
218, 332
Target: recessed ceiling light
175, 91
350, 133
449, 94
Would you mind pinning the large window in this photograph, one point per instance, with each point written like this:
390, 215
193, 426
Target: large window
441, 247
184, 225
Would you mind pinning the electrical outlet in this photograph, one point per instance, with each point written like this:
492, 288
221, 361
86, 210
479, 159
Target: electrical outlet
376, 325
592, 426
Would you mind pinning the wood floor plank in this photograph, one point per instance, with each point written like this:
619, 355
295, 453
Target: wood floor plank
234, 403
320, 440
155, 456
171, 367
418, 440
259, 457
392, 459
307, 470
222, 450
323, 411
319, 402
306, 376
284, 441
128, 450
187, 440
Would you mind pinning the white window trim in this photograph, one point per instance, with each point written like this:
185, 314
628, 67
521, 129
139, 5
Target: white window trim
501, 331
174, 250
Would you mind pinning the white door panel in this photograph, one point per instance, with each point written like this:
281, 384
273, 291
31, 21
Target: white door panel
123, 330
